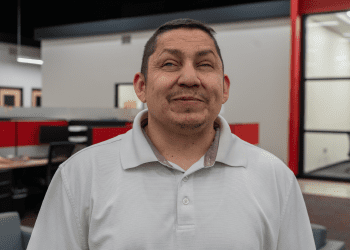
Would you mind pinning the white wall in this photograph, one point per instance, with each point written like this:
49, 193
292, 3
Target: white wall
82, 72
20, 75
256, 58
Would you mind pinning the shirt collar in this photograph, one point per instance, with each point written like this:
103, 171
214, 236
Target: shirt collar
138, 149
209, 158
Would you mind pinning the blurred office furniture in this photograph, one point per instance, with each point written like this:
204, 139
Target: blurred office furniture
13, 236
60, 151
84, 131
322, 243
5, 190
40, 176
36, 179
29, 132
12, 198
53, 134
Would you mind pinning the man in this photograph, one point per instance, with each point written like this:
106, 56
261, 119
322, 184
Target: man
179, 179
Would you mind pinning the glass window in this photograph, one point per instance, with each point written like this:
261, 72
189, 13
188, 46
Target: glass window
326, 89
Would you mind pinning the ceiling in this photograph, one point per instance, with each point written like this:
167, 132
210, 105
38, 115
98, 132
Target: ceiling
40, 13
338, 22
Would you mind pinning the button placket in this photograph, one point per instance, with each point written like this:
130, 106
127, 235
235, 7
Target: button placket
185, 211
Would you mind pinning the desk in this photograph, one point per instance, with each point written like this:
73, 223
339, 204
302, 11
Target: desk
9, 164
30, 163
23, 164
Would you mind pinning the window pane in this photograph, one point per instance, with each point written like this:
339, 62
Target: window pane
327, 105
328, 45
323, 153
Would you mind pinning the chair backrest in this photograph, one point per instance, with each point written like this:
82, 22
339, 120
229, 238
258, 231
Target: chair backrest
10, 232
58, 149
5, 190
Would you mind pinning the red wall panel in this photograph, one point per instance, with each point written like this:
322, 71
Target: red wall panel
7, 134
28, 131
102, 134
247, 132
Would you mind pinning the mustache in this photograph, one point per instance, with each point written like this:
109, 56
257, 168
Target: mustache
182, 93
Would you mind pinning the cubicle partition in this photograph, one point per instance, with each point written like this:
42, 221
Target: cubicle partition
100, 134
28, 131
248, 132
7, 134
20, 137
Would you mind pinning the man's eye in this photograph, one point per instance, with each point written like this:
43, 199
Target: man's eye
205, 64
168, 63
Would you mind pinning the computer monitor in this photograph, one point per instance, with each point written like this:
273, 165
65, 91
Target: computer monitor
53, 134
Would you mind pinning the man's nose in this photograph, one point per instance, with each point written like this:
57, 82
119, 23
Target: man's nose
189, 75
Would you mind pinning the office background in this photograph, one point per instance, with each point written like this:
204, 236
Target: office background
80, 74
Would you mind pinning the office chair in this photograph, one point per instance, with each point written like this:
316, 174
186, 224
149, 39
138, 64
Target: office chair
62, 149
5, 190
12, 234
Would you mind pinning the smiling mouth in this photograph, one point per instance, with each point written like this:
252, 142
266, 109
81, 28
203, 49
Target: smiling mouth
188, 100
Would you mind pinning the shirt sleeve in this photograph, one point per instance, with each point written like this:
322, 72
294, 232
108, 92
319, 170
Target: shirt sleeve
295, 227
57, 226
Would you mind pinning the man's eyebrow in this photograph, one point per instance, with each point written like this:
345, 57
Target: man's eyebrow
179, 53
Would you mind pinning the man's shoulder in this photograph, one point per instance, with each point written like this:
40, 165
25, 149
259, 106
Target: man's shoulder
95, 153
261, 157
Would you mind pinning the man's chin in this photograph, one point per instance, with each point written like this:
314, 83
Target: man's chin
189, 124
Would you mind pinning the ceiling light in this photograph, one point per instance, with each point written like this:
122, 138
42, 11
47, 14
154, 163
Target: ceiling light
29, 60
19, 57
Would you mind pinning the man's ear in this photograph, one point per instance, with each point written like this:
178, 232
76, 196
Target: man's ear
226, 89
140, 86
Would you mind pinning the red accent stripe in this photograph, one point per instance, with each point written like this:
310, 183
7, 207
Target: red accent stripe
294, 98
7, 134
28, 131
247, 132
102, 134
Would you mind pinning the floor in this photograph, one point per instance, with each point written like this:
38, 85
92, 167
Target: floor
327, 203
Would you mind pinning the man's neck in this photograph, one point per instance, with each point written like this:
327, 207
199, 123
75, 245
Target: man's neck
175, 146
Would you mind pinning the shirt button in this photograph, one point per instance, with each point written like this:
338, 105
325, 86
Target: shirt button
185, 201
185, 178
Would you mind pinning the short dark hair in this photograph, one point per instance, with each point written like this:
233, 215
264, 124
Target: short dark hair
187, 23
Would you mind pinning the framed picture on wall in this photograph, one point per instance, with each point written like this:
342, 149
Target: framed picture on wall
125, 96
36, 97
11, 97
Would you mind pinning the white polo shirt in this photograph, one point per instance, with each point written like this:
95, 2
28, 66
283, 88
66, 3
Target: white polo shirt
122, 194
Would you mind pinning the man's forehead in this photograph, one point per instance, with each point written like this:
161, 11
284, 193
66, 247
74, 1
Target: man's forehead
178, 36
173, 43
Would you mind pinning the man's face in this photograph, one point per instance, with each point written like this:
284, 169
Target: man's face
184, 64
